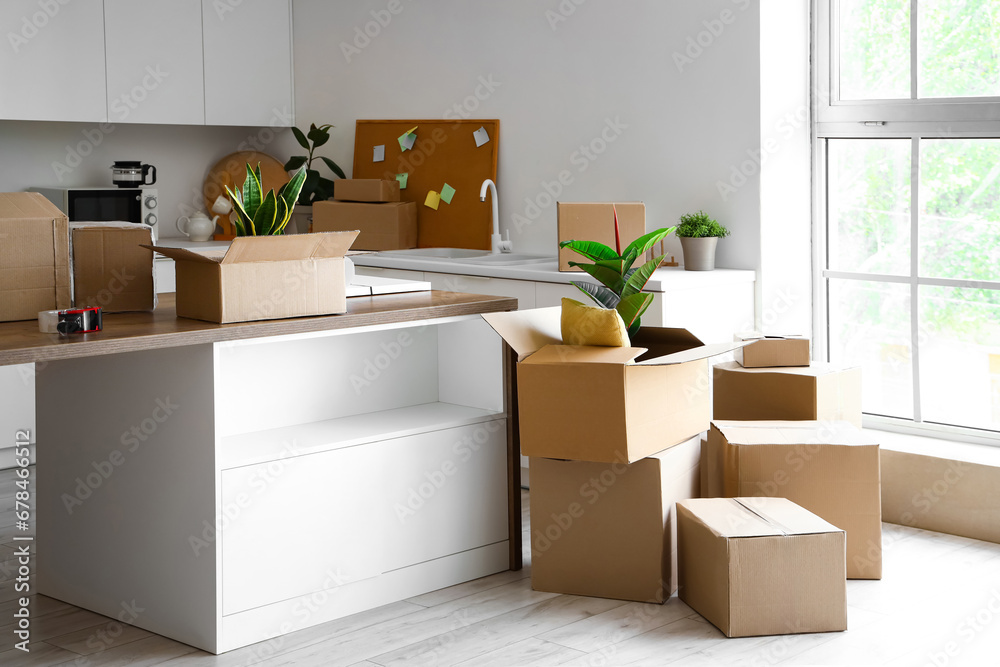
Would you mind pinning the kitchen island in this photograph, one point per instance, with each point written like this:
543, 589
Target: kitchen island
233, 483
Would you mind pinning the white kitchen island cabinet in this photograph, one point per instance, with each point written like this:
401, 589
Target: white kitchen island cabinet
239, 482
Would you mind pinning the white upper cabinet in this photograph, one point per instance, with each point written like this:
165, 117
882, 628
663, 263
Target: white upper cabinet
52, 62
248, 62
155, 65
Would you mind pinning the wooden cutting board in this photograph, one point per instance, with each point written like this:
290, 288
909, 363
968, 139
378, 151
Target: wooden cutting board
232, 171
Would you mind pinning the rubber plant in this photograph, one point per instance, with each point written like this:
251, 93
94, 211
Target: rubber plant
316, 188
621, 283
258, 214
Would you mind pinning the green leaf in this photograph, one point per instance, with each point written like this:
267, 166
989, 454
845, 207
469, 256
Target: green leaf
295, 162
590, 249
616, 264
301, 138
309, 187
318, 136
282, 217
251, 192
601, 295
633, 306
642, 244
639, 279
241, 215
263, 220
324, 189
334, 167
609, 278
628, 259
289, 192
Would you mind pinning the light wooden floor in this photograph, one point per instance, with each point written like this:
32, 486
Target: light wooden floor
940, 595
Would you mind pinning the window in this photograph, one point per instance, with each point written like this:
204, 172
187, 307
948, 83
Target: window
907, 108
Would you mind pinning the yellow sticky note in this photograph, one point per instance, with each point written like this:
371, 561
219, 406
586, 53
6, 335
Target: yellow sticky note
433, 199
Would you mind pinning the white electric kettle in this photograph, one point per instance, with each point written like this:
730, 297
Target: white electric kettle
199, 227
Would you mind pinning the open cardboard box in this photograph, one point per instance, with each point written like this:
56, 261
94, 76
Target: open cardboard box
112, 266
263, 278
606, 404
34, 256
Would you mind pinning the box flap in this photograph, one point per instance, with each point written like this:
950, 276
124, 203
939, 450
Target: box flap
815, 370
183, 255
584, 354
528, 331
757, 517
246, 249
695, 353
793, 433
106, 224
789, 517
757, 335
28, 205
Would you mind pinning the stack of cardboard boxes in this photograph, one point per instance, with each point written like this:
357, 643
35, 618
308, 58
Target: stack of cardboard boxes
373, 207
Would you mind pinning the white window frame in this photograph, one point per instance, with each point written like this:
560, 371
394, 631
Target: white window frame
913, 119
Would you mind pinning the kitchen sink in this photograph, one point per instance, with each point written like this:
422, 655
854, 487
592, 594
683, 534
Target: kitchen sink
436, 253
506, 259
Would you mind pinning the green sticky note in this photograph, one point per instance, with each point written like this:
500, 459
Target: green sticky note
402, 178
447, 192
407, 139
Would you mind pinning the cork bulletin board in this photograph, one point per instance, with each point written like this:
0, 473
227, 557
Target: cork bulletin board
443, 152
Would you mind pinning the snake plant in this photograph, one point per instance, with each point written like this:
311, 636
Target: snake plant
621, 284
258, 214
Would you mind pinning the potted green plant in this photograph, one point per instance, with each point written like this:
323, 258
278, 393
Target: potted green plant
258, 214
621, 284
699, 235
316, 188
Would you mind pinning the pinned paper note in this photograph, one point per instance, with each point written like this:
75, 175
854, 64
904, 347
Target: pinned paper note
408, 138
379, 154
481, 136
402, 178
433, 199
447, 192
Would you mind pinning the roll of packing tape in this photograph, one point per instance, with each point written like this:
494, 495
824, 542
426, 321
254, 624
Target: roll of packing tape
74, 320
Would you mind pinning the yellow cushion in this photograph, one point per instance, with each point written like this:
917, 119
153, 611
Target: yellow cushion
589, 325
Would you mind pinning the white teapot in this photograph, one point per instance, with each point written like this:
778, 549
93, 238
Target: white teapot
199, 227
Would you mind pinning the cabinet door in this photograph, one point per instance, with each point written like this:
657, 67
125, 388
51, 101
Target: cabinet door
154, 61
302, 524
52, 64
522, 290
248, 63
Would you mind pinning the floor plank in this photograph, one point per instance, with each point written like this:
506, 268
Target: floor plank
526, 653
617, 625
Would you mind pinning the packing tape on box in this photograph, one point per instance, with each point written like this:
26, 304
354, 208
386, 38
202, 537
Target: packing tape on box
74, 320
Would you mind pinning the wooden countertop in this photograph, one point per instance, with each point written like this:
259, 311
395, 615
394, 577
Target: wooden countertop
22, 342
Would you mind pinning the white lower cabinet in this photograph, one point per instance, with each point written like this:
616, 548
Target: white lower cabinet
551, 294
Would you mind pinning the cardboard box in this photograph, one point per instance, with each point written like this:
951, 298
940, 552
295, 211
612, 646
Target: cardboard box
34, 256
822, 391
761, 566
382, 226
829, 468
263, 278
772, 351
608, 529
595, 221
605, 404
111, 267
365, 190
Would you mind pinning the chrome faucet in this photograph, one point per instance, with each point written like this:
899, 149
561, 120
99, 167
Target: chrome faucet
497, 244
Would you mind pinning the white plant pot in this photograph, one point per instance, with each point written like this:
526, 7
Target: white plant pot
301, 220
699, 254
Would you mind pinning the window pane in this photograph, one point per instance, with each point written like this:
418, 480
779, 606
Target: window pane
960, 208
874, 49
960, 356
869, 205
958, 46
870, 327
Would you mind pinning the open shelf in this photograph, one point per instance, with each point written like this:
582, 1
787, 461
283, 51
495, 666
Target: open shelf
268, 445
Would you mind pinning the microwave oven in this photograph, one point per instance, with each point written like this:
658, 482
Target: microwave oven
136, 205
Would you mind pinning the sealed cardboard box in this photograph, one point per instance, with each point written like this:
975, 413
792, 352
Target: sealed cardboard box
264, 278
382, 226
772, 351
830, 468
605, 404
365, 190
608, 529
595, 221
34, 256
821, 391
761, 566
112, 266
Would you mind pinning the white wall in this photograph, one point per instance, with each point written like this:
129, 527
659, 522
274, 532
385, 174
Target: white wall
49, 154
558, 78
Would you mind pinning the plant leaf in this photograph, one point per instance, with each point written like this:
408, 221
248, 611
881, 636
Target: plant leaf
324, 189
301, 138
318, 136
263, 220
642, 244
590, 249
608, 277
295, 162
241, 215
633, 306
281, 217
334, 167
616, 264
641, 276
251, 193
289, 192
309, 188
601, 295
628, 259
